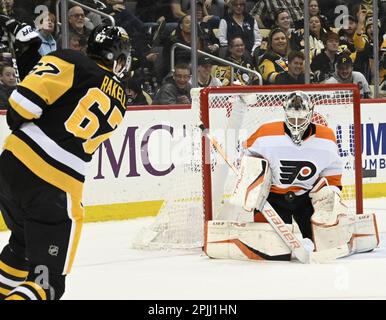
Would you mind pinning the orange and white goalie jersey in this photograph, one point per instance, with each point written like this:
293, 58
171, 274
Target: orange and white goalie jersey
297, 167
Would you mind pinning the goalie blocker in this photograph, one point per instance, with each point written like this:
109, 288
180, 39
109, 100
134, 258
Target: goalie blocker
332, 226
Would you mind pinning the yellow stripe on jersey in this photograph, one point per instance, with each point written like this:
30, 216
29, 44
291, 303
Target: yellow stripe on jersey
21, 110
268, 70
43, 169
4, 291
58, 78
77, 213
91, 145
37, 288
13, 271
14, 296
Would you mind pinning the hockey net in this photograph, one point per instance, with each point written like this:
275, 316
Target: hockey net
205, 181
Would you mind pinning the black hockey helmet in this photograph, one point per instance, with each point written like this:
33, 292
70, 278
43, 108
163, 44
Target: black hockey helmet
111, 46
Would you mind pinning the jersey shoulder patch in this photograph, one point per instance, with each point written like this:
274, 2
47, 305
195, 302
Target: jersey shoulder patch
323, 132
266, 129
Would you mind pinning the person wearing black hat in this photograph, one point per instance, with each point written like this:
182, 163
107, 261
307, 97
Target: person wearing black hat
204, 73
344, 74
135, 95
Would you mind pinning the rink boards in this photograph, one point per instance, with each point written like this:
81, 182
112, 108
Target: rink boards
132, 172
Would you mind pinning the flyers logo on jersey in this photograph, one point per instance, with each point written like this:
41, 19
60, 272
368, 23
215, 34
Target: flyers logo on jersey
291, 170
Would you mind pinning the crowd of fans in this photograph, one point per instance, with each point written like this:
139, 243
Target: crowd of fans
266, 36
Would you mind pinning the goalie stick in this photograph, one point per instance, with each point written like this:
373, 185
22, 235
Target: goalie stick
11, 47
278, 224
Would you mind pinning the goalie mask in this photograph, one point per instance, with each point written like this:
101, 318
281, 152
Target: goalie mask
111, 46
298, 113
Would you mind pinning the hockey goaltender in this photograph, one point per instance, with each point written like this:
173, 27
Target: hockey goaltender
274, 186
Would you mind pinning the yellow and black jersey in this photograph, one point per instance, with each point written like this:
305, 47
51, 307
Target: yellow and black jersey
271, 65
240, 77
60, 113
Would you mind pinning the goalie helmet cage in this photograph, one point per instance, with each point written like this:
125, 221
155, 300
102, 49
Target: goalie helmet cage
206, 181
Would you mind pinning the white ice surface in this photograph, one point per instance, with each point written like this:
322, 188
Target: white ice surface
107, 268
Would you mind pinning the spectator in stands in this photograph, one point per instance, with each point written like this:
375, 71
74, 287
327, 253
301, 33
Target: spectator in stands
46, 30
169, 10
283, 21
135, 95
346, 33
210, 42
134, 27
123, 18
314, 10
274, 60
323, 64
77, 23
344, 74
363, 41
7, 84
346, 42
77, 43
317, 33
236, 54
204, 73
212, 20
175, 90
240, 23
182, 35
8, 4
216, 7
295, 73
176, 7
264, 11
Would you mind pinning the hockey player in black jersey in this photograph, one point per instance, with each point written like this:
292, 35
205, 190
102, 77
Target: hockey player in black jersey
59, 114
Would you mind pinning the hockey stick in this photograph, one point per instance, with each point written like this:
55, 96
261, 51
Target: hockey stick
10, 44
219, 149
278, 224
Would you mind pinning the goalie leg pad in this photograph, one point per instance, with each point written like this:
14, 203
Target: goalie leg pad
328, 236
244, 241
365, 237
253, 185
358, 232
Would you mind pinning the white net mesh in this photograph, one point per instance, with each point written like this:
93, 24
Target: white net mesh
180, 223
